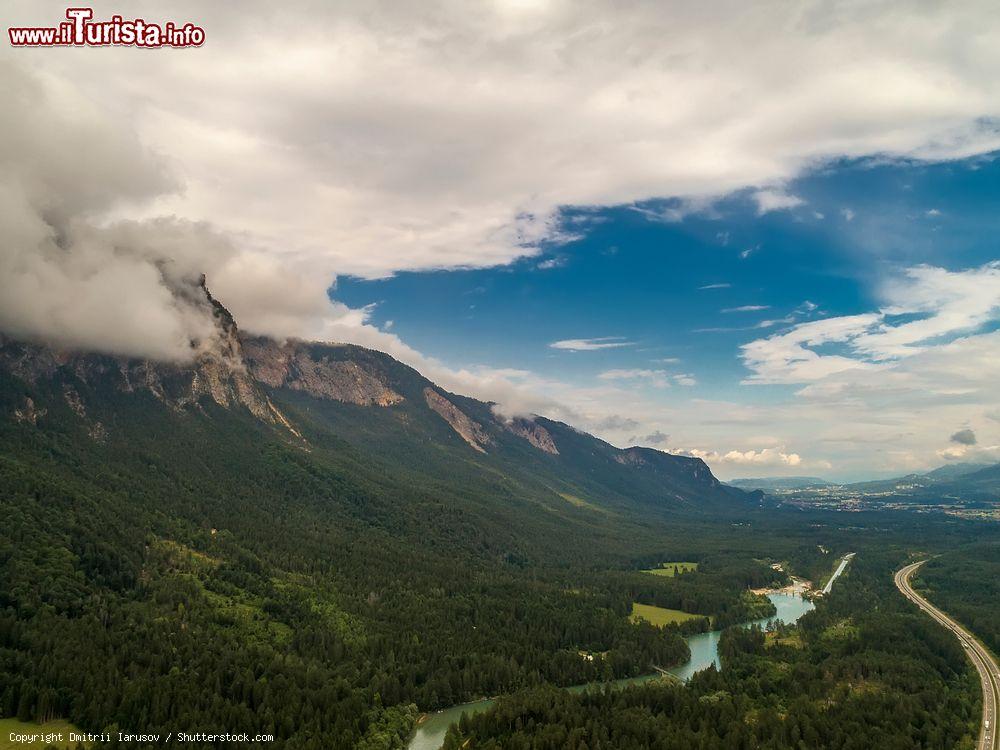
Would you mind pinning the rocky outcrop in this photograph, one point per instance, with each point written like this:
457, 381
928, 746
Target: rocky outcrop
304, 367
683, 467
95, 429
221, 374
534, 433
470, 431
74, 401
217, 371
28, 413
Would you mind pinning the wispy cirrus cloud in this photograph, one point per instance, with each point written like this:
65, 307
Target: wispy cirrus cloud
745, 308
549, 263
924, 308
775, 200
656, 378
591, 345
876, 386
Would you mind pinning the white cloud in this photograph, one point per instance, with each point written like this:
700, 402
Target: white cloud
922, 306
549, 263
67, 280
590, 345
715, 286
848, 214
875, 388
371, 139
775, 200
971, 453
745, 308
775, 457
657, 378
771, 323
788, 358
948, 303
668, 215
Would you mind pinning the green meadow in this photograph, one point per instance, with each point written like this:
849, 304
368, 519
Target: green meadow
670, 569
658, 615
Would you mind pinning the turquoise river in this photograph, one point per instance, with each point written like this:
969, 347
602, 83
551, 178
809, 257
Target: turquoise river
704, 653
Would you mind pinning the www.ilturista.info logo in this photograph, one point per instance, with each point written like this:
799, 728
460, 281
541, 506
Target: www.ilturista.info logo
81, 31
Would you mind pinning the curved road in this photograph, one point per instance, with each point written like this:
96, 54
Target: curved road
986, 665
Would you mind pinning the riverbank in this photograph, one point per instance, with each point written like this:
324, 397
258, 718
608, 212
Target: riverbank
803, 587
798, 587
704, 648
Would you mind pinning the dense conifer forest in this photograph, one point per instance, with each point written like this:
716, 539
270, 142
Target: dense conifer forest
863, 670
966, 584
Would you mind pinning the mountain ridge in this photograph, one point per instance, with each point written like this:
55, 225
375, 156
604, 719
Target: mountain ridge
368, 398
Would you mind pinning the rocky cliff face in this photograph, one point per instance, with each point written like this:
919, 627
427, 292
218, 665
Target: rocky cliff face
470, 431
217, 371
534, 433
294, 365
690, 468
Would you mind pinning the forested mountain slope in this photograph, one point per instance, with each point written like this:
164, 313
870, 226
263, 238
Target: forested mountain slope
312, 394
308, 540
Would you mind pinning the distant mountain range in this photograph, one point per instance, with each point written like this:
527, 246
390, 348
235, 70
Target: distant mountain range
961, 481
777, 483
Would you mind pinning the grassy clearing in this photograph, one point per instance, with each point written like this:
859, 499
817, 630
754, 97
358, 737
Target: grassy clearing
173, 556
579, 502
658, 615
8, 726
844, 630
792, 639
670, 569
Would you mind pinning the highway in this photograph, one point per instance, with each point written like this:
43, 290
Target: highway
986, 665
